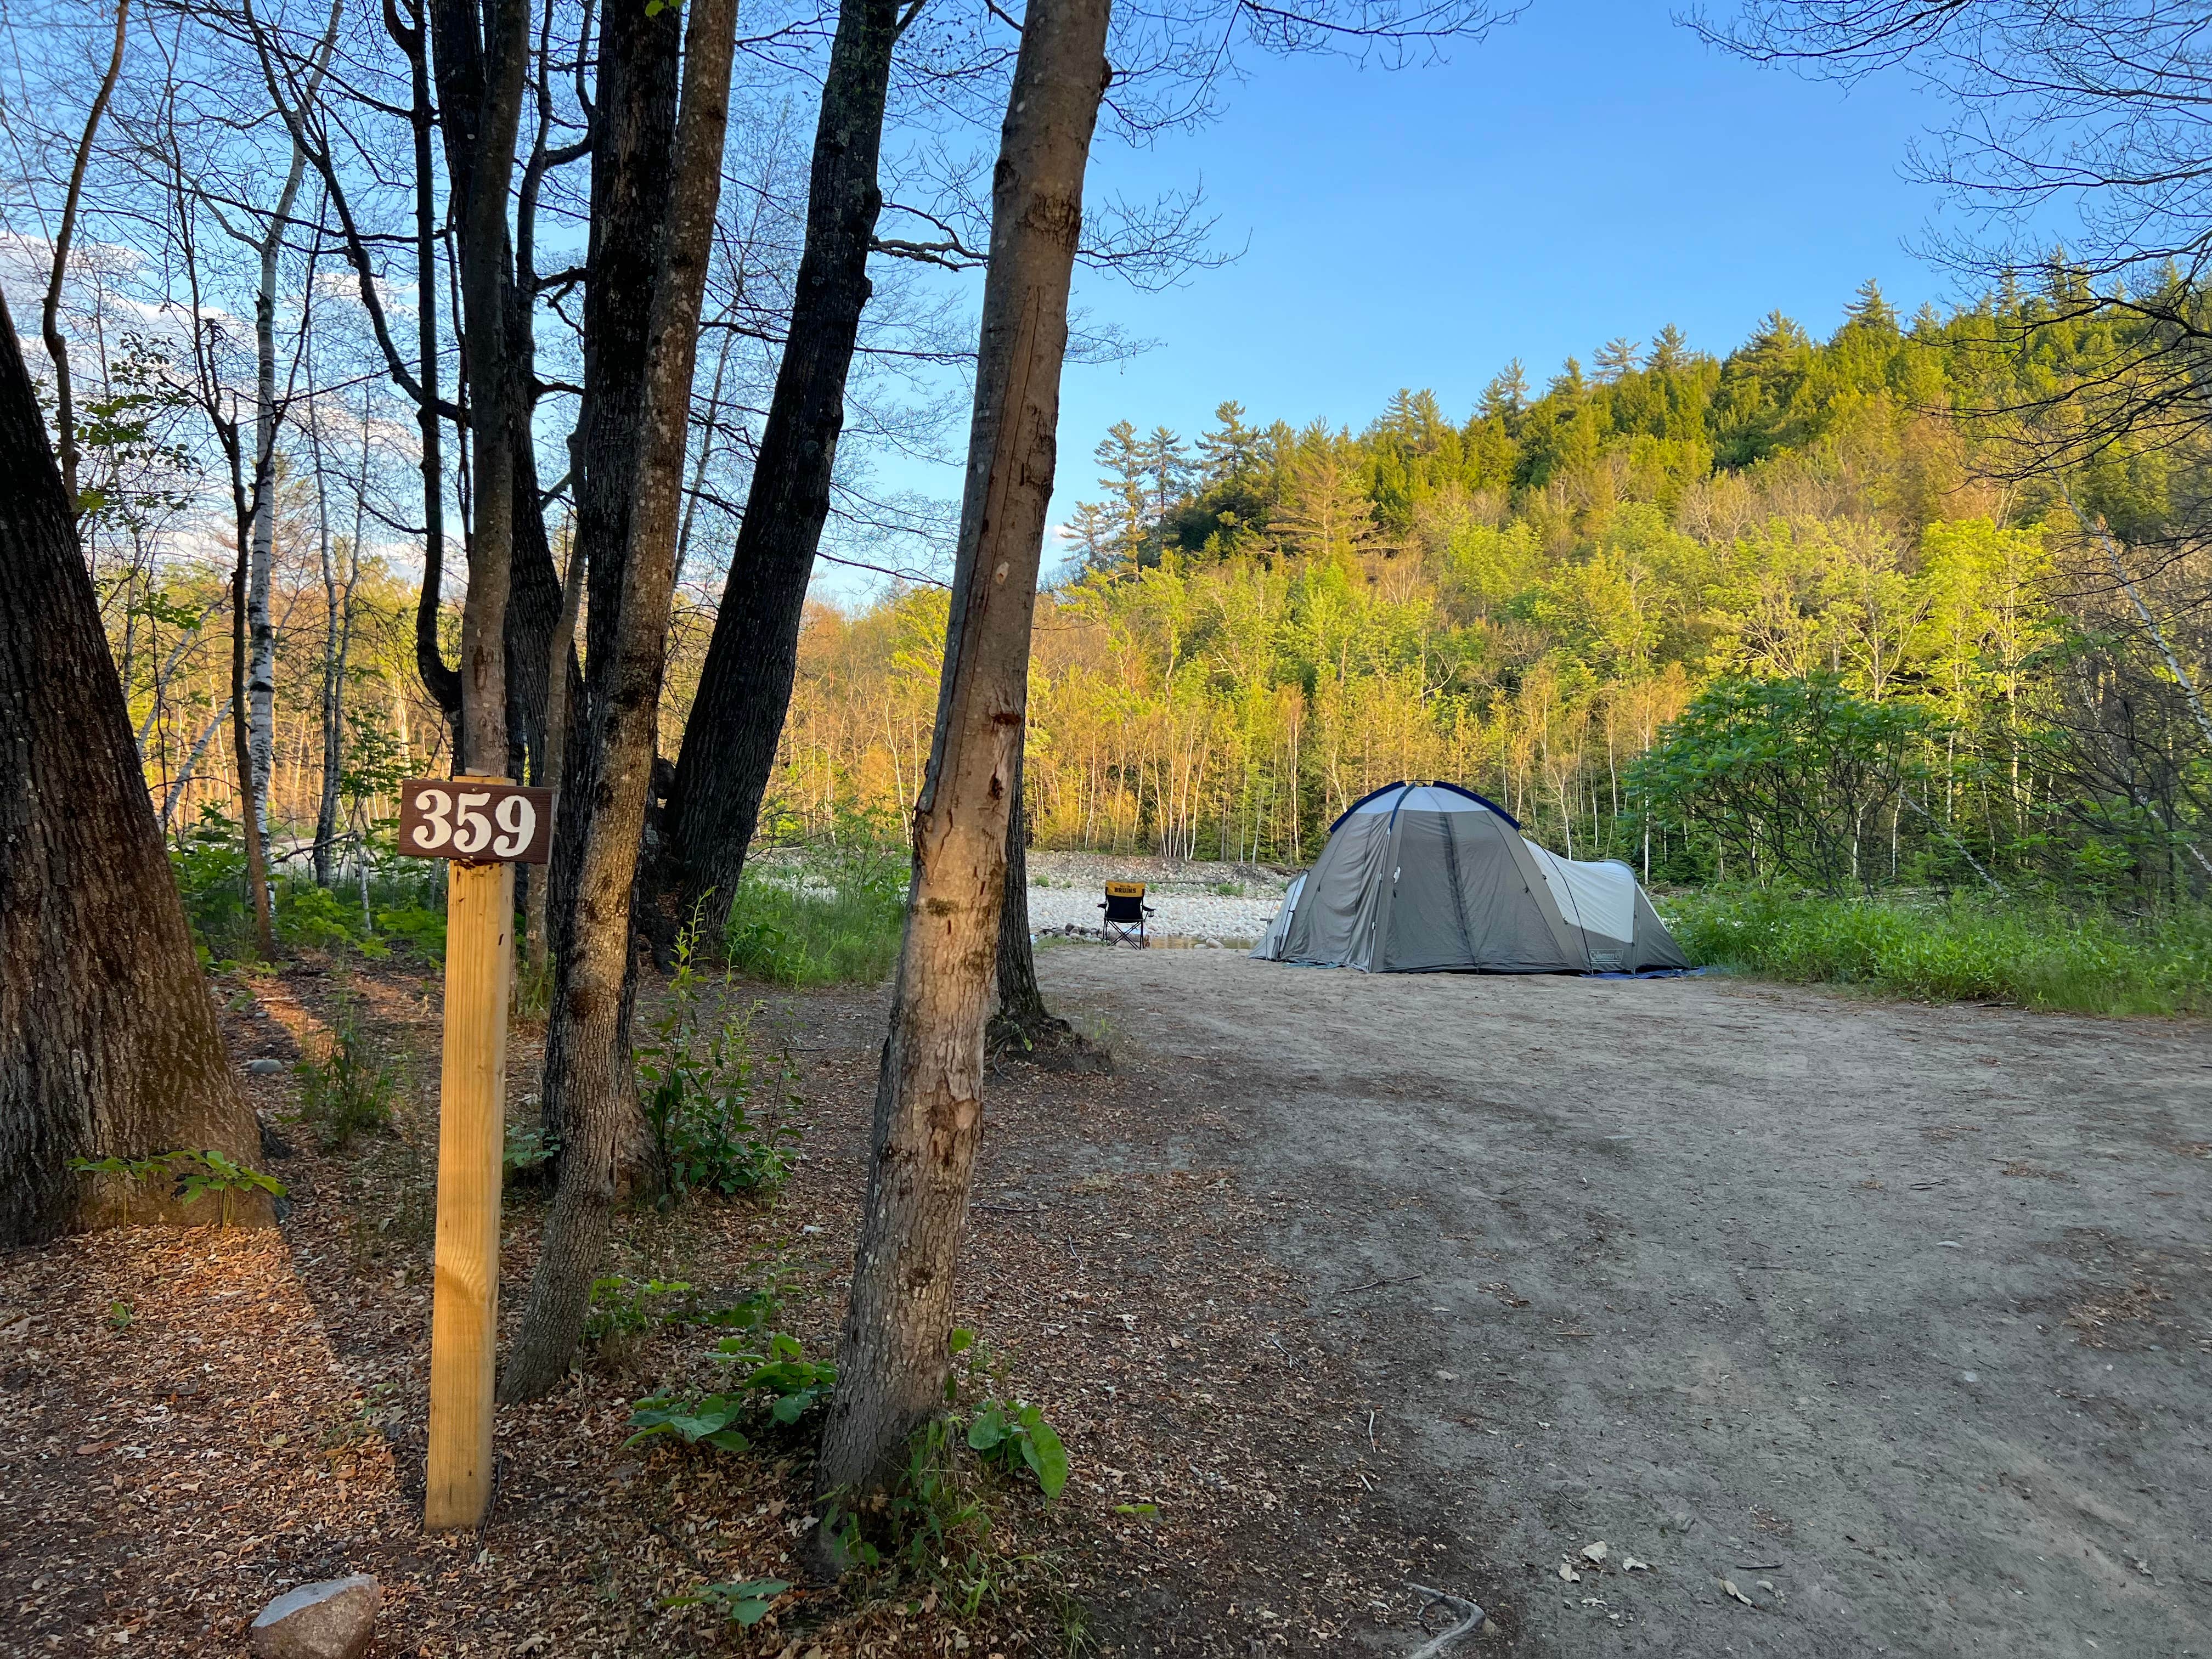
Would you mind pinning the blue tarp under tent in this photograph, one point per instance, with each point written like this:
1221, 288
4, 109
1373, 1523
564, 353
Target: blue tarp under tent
1431, 878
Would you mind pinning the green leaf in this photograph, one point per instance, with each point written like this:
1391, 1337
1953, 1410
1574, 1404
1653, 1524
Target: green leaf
1050, 1458
963, 1339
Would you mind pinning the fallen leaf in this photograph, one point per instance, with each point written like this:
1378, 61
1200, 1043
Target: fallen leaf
1728, 1585
1630, 1564
1594, 1552
91, 1448
1570, 1574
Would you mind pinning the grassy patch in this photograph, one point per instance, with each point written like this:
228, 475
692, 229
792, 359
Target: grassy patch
1964, 949
820, 915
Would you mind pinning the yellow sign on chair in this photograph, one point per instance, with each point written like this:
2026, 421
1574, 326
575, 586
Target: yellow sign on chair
1125, 890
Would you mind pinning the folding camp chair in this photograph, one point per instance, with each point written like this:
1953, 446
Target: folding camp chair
1126, 911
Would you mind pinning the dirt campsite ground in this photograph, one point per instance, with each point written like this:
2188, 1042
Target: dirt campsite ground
1894, 1318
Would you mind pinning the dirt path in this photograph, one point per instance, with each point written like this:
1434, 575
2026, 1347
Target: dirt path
1897, 1318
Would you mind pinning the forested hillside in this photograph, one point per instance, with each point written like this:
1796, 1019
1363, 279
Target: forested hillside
1256, 624
1261, 623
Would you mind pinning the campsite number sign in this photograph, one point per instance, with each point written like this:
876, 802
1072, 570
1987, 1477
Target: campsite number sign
475, 822
485, 826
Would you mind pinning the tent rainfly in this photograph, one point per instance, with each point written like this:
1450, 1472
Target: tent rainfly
1427, 877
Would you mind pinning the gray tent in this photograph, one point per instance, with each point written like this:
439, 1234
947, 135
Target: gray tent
1423, 877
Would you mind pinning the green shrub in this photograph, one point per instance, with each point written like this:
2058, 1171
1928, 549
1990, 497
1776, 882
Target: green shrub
696, 1076
622, 1306
747, 1603
1964, 948
1015, 1435
527, 1150
782, 1384
348, 1090
210, 863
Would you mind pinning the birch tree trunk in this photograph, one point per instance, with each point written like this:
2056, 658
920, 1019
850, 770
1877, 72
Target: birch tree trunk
587, 1052
108, 1040
261, 631
893, 1357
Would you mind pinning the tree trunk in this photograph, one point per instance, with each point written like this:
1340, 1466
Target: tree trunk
635, 131
1023, 1028
249, 821
894, 1356
745, 688
261, 628
108, 1040
480, 55
338, 648
560, 671
56, 343
634, 134
587, 1049
443, 684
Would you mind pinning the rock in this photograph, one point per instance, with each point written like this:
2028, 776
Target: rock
334, 1619
265, 1067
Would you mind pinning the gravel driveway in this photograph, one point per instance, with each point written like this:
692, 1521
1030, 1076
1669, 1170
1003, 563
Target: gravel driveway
1895, 1319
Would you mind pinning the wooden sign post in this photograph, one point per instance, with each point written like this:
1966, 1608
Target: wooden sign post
486, 826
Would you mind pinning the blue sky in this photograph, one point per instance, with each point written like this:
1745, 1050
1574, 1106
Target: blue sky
1589, 170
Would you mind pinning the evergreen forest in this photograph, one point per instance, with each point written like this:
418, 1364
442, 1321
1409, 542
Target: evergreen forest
1803, 610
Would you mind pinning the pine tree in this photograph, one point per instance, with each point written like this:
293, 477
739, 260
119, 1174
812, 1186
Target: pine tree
1670, 350
1507, 394
1228, 453
1122, 475
1167, 466
1869, 310
1616, 359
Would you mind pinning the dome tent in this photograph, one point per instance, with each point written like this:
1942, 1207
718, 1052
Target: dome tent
1426, 877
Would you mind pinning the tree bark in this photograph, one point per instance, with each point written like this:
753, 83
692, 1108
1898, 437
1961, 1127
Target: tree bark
634, 132
338, 648
108, 1040
587, 1050
635, 129
480, 55
261, 628
1021, 1027
560, 670
737, 717
249, 820
894, 1356
443, 684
